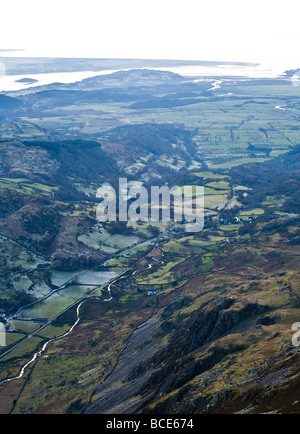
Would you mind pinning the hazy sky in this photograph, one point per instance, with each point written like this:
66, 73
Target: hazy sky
242, 30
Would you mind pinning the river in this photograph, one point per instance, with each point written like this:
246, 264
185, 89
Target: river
11, 82
106, 281
203, 72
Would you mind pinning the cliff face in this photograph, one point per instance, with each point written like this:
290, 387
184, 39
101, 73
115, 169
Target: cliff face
223, 340
186, 376
224, 351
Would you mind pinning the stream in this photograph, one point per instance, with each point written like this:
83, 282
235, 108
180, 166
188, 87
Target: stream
216, 85
39, 353
42, 350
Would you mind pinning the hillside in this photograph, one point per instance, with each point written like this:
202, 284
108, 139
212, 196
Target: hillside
142, 316
221, 342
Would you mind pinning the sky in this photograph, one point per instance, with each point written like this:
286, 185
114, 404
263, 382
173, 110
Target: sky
231, 30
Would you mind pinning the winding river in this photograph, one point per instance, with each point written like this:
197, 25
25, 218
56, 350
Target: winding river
39, 353
81, 302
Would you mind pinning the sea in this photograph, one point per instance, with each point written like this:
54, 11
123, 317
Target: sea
262, 70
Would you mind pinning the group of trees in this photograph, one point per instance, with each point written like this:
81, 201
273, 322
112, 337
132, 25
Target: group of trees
279, 177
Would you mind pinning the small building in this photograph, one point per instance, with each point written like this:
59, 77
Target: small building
238, 219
